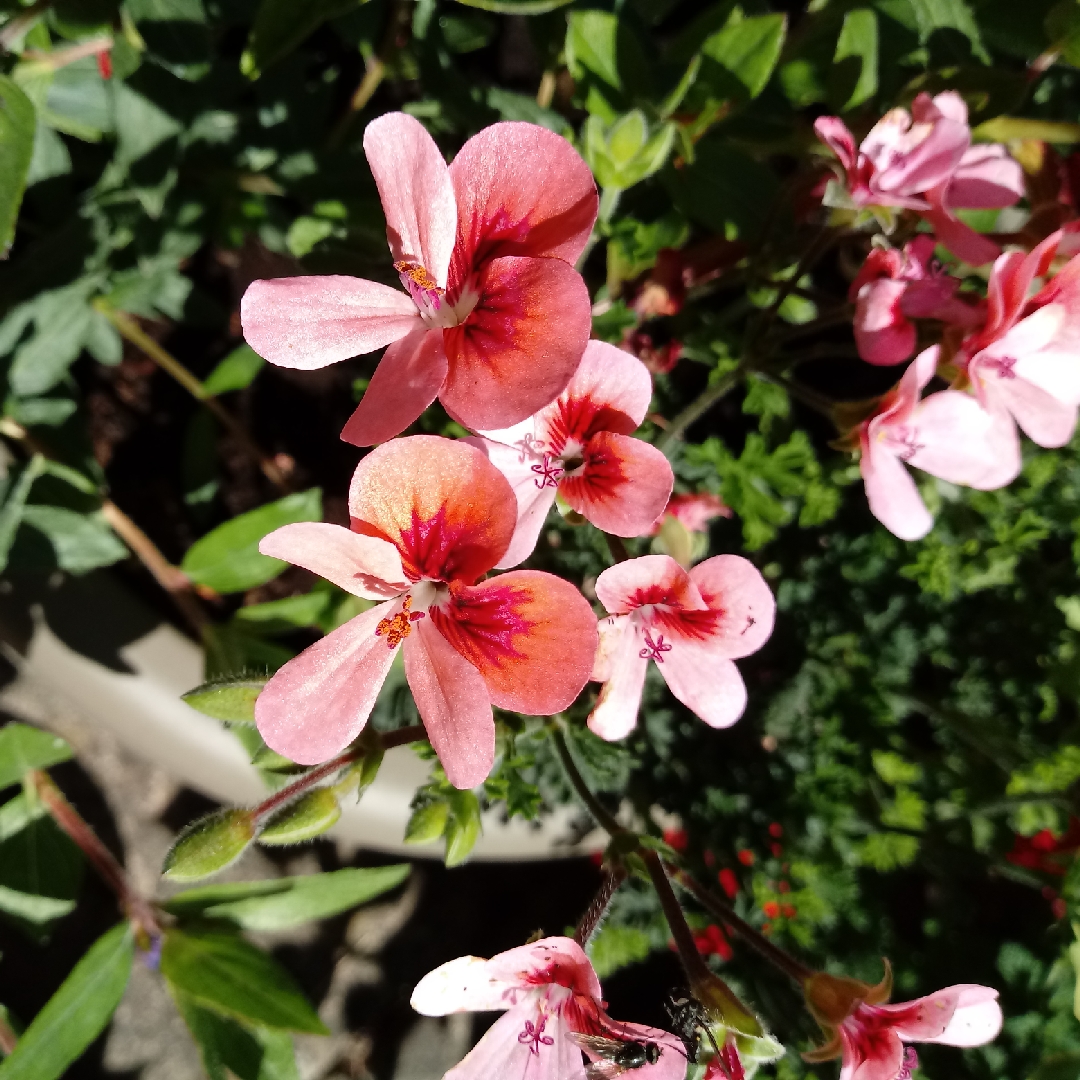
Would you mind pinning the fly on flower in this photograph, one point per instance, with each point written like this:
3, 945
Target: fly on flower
613, 1057
430, 517
493, 319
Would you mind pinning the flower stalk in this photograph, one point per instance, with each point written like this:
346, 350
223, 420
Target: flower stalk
604, 818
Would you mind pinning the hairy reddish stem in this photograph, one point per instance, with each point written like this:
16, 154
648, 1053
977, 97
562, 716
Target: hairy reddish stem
136, 906
588, 923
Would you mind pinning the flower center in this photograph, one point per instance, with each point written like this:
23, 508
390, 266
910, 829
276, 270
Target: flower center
533, 1036
653, 649
423, 288
398, 627
549, 471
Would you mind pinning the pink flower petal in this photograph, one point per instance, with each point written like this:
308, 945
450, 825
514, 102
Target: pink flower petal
894, 499
977, 1019
416, 191
879, 1057
707, 683
733, 588
833, 132
616, 710
531, 635
521, 190
453, 703
309, 322
405, 383
611, 631
521, 344
958, 440
507, 1051
611, 391
320, 701
910, 160
1043, 419
882, 335
623, 485
962, 240
534, 497
466, 984
987, 179
558, 960
442, 504
652, 579
362, 565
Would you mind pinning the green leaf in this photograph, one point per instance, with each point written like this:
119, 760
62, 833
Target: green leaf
79, 102
281, 25
209, 845
932, 15
82, 542
290, 613
223, 972
591, 44
236, 371
141, 125
17, 813
33, 908
310, 816
1063, 29
853, 77
292, 901
227, 699
23, 748
77, 1013
306, 232
427, 823
63, 319
227, 559
12, 511
614, 947
463, 829
230, 1051
746, 50
17, 125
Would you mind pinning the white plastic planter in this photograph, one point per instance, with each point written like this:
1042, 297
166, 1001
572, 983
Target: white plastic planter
91, 642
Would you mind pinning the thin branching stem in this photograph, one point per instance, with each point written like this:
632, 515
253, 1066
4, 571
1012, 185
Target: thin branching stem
604, 818
698, 408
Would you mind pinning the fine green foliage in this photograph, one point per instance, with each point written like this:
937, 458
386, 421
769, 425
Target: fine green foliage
77, 1013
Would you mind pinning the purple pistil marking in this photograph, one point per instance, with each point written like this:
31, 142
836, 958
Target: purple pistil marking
1004, 366
653, 649
549, 473
534, 1034
911, 1063
529, 446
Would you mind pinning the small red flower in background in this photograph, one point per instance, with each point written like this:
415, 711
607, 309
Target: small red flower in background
712, 942
104, 64
746, 857
676, 838
771, 909
728, 882
1046, 853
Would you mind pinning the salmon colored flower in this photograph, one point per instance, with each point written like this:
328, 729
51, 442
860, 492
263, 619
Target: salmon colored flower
949, 435
892, 288
1026, 359
579, 448
494, 317
548, 993
692, 623
870, 1036
430, 516
924, 161
693, 511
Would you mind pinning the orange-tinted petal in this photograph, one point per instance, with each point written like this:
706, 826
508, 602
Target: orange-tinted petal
441, 503
531, 635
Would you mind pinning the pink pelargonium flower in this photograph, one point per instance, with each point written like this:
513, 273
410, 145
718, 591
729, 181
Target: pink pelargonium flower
495, 317
1026, 359
692, 623
893, 287
579, 448
548, 991
949, 435
924, 161
430, 516
870, 1036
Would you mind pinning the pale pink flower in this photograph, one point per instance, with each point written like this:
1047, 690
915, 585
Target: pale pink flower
1026, 359
494, 318
693, 511
893, 287
924, 161
430, 517
871, 1038
948, 434
694, 624
548, 991
579, 448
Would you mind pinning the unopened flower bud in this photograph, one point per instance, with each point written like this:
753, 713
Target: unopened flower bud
209, 845
310, 816
832, 998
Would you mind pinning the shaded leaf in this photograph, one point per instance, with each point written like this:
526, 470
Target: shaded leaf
746, 50
17, 124
281, 25
223, 972
227, 559
23, 748
235, 372
77, 1013
82, 542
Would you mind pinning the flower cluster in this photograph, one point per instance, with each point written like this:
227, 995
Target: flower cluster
494, 320
1011, 361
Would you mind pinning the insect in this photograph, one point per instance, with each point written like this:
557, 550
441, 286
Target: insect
689, 1020
616, 1055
